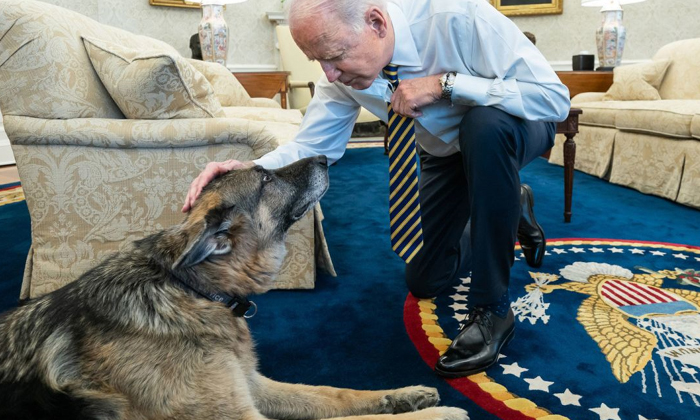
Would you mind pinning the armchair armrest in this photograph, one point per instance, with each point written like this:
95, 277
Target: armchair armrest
587, 97
141, 134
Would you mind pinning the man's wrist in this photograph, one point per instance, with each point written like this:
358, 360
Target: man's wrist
447, 82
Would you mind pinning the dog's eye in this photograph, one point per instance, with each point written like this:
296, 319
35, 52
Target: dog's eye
267, 178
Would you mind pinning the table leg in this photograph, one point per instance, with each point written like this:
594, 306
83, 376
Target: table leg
569, 158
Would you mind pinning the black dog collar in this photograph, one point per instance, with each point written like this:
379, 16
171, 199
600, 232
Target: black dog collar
238, 305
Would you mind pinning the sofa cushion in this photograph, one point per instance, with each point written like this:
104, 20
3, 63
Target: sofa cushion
671, 118
666, 117
289, 116
152, 84
637, 82
228, 90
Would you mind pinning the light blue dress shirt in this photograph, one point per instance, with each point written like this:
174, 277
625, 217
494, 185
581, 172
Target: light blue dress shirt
496, 66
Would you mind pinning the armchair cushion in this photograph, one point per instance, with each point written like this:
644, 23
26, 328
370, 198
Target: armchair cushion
152, 84
280, 115
264, 103
637, 82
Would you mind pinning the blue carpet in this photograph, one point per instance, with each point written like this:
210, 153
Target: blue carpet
15, 240
350, 332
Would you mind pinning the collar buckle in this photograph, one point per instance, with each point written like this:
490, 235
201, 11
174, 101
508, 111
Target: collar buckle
240, 307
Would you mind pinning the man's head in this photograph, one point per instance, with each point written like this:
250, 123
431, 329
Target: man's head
351, 39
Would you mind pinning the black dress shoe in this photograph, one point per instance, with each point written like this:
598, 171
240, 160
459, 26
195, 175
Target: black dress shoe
477, 345
530, 233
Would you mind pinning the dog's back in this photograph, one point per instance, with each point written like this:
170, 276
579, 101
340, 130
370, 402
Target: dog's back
45, 339
24, 394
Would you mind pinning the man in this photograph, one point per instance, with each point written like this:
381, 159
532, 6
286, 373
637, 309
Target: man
481, 102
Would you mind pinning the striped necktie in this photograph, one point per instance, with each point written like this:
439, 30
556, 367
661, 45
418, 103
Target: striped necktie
404, 205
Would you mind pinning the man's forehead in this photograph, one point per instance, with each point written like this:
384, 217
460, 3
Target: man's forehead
322, 44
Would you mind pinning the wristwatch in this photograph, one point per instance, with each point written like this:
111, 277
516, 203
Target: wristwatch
447, 82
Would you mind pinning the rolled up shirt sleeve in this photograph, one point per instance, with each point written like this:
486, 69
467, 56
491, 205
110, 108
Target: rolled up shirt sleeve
325, 129
508, 72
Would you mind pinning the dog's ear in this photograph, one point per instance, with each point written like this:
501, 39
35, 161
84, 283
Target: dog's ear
208, 236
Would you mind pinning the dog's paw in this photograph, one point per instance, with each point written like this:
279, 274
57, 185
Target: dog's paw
411, 398
442, 413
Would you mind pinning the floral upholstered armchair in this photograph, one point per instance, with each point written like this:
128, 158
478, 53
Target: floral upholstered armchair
109, 128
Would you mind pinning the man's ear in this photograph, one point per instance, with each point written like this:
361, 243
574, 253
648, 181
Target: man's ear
209, 236
376, 19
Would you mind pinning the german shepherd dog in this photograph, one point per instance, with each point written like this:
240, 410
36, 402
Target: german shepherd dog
157, 332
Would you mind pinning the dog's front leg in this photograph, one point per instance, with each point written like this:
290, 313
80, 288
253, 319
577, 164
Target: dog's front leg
279, 400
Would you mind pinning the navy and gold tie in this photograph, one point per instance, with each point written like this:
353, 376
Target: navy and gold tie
404, 205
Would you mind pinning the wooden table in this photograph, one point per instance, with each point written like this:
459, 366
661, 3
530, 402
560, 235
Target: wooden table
577, 82
569, 128
586, 81
265, 84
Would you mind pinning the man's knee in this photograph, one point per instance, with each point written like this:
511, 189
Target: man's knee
485, 129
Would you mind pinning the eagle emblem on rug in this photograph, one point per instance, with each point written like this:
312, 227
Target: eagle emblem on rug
624, 312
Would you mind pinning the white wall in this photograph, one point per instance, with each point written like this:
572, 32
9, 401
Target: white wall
251, 33
650, 25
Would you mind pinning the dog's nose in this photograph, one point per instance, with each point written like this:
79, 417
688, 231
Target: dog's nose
322, 160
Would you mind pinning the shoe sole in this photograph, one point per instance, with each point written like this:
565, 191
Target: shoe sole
462, 373
531, 214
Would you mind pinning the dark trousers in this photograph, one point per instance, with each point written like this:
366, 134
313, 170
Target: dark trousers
470, 205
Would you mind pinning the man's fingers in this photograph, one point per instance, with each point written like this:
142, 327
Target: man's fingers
211, 171
230, 165
191, 195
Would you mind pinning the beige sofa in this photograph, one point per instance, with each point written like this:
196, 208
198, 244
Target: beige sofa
94, 180
651, 145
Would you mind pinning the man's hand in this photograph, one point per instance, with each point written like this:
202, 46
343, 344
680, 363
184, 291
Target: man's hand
413, 94
211, 171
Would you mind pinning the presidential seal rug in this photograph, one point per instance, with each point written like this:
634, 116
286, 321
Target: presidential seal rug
606, 329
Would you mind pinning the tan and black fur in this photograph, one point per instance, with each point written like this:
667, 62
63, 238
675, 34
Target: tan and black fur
127, 341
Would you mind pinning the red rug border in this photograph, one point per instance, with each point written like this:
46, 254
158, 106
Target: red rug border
430, 356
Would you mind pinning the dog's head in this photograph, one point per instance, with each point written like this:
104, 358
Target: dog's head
238, 225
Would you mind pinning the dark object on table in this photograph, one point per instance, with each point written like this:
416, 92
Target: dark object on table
583, 62
196, 47
531, 37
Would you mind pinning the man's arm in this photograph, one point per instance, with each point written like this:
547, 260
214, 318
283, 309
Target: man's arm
325, 129
513, 75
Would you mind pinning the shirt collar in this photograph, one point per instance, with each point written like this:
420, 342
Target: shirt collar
405, 51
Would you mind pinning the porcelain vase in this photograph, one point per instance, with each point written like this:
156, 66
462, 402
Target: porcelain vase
610, 39
213, 34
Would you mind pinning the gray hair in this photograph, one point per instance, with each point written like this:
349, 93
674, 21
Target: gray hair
351, 12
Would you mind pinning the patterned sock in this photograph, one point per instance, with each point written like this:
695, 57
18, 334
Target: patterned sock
501, 306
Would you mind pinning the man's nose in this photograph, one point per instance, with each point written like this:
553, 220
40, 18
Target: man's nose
332, 73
